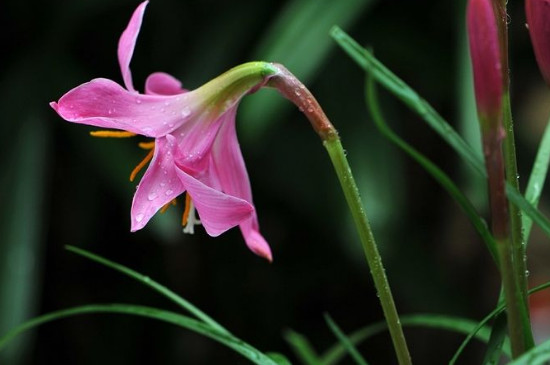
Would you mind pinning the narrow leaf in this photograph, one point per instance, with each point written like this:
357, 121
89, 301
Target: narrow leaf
431, 168
145, 280
499, 309
230, 341
537, 179
302, 348
408, 96
348, 345
280, 359
23, 185
539, 355
455, 324
496, 341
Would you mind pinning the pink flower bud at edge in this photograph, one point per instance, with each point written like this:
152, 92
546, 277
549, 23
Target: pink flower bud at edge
538, 22
486, 60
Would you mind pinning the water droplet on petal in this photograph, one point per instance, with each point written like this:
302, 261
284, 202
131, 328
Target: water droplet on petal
169, 192
139, 217
138, 100
185, 112
166, 103
152, 196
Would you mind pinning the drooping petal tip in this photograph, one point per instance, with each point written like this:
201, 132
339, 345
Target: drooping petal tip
257, 244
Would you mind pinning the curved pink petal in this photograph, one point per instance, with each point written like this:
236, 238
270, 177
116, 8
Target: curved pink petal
104, 103
159, 185
127, 43
230, 171
161, 83
218, 211
195, 140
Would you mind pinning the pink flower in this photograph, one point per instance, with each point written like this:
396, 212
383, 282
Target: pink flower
196, 148
538, 20
485, 55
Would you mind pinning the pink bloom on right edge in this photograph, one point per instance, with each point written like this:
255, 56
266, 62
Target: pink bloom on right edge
538, 22
486, 60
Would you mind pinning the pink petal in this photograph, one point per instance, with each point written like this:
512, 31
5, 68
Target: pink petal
230, 171
127, 43
228, 159
160, 83
104, 103
195, 140
218, 211
159, 185
257, 243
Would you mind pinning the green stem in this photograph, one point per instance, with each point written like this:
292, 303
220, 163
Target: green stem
292, 89
517, 253
340, 162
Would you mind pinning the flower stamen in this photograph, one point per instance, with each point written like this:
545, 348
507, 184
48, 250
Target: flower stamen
147, 145
142, 164
112, 134
172, 202
189, 219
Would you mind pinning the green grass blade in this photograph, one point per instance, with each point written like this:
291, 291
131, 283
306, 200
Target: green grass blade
298, 39
177, 319
496, 341
499, 309
539, 355
537, 179
398, 87
456, 324
145, 280
280, 359
344, 340
410, 98
302, 348
431, 168
23, 185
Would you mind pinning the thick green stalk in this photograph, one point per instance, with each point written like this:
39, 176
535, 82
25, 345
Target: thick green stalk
340, 162
517, 253
291, 88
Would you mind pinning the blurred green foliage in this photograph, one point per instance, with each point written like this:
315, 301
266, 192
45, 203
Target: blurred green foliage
59, 186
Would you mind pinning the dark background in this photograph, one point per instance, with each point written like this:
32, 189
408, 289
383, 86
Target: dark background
59, 186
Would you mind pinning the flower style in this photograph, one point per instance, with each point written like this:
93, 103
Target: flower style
538, 21
195, 149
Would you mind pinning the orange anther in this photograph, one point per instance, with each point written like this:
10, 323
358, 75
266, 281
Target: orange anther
167, 205
113, 134
146, 145
186, 211
142, 164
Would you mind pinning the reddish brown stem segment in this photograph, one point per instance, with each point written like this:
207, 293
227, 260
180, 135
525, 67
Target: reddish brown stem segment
292, 89
492, 147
